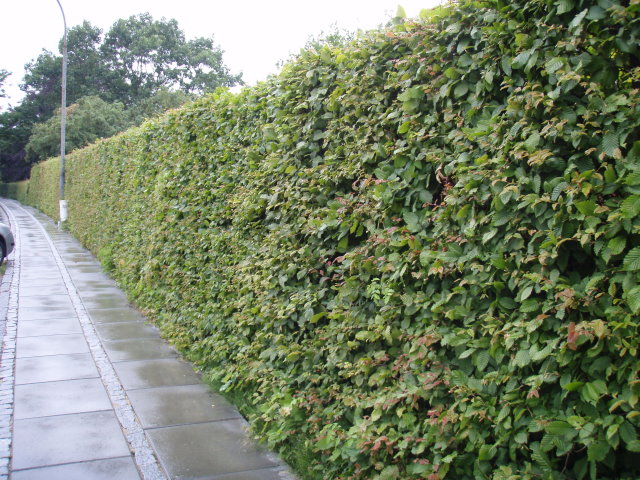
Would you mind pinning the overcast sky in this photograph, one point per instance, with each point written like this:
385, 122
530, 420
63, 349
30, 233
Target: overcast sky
254, 34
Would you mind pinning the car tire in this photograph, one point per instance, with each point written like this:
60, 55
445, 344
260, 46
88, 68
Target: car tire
3, 252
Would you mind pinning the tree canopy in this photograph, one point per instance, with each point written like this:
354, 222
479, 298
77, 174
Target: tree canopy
89, 119
3, 76
141, 64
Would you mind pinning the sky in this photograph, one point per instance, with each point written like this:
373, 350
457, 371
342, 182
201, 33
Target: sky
254, 34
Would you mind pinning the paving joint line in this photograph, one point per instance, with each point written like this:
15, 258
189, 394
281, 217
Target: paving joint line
143, 454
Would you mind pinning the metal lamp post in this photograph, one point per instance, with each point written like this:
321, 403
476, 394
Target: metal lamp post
63, 118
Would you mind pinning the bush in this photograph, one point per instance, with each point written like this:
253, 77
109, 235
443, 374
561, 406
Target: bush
415, 256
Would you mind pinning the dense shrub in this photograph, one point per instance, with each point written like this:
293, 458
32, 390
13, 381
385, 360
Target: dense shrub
415, 256
17, 190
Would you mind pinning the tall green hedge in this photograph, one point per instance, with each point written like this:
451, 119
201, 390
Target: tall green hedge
416, 256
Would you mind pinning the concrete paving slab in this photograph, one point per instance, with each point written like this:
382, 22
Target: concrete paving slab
52, 326
78, 258
53, 368
86, 277
126, 331
94, 293
49, 270
178, 405
46, 302
275, 473
37, 313
84, 269
42, 282
60, 398
38, 274
155, 373
106, 301
208, 449
114, 315
112, 469
50, 345
94, 284
140, 349
67, 439
33, 291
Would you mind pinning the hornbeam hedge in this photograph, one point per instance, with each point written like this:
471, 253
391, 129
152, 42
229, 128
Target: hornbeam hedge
414, 256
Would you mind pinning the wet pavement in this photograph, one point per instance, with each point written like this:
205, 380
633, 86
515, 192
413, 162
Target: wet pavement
89, 390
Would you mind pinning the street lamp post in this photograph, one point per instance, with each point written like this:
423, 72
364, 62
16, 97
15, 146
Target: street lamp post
63, 118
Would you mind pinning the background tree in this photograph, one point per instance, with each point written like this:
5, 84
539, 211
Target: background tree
144, 65
159, 103
89, 119
144, 56
3, 76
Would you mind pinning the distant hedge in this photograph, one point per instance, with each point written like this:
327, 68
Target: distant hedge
17, 190
416, 256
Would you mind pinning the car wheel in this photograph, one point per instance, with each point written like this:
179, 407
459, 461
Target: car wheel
3, 252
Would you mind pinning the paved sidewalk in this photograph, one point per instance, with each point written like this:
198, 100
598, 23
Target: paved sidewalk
89, 390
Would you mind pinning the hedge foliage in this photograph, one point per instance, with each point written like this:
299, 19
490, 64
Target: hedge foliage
416, 256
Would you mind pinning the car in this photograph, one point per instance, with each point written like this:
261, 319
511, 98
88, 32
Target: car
6, 241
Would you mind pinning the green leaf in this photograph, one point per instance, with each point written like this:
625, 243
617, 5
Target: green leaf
628, 432
317, 316
521, 60
564, 6
507, 302
452, 73
269, 133
532, 142
632, 179
365, 335
570, 387
489, 235
632, 260
529, 305
555, 194
611, 145
404, 128
505, 63
597, 451
616, 245
413, 221
630, 207
554, 64
523, 358
461, 89
482, 359
577, 20
596, 13
426, 257
633, 446
633, 299
487, 452
560, 427
586, 207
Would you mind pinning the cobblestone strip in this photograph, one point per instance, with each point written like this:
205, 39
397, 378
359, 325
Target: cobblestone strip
131, 427
8, 331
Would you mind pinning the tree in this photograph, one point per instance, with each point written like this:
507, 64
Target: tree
159, 103
89, 119
3, 76
144, 56
41, 85
87, 73
14, 134
143, 64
